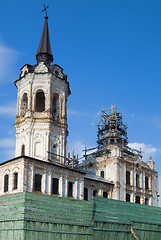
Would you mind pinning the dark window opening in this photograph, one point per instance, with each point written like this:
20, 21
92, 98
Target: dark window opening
15, 181
6, 181
137, 199
127, 197
137, 180
56, 105
24, 104
102, 174
105, 194
70, 189
95, 193
146, 183
55, 186
146, 201
86, 194
40, 102
37, 185
23, 150
127, 177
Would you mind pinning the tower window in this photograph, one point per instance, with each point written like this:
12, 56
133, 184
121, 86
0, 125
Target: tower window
15, 180
146, 183
56, 105
24, 104
6, 182
70, 189
102, 174
137, 199
127, 177
40, 101
137, 180
37, 183
127, 197
55, 186
23, 150
86, 194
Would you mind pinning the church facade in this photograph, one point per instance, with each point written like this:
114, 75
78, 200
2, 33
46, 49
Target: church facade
41, 165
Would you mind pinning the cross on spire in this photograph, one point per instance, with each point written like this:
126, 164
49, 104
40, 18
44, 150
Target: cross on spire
45, 8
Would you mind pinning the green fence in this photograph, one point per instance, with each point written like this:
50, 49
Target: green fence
32, 216
115, 219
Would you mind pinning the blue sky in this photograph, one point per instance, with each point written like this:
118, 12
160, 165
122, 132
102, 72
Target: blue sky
111, 52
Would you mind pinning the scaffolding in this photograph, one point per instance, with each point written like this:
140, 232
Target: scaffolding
111, 129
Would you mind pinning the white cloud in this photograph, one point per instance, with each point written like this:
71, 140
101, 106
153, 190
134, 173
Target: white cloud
8, 57
147, 149
78, 146
8, 110
7, 142
78, 113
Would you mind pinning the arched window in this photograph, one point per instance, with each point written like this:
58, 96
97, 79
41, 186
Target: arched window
37, 182
40, 101
86, 194
146, 201
146, 183
137, 180
127, 177
38, 149
95, 193
6, 182
24, 104
137, 199
23, 150
127, 197
105, 194
102, 174
55, 106
15, 180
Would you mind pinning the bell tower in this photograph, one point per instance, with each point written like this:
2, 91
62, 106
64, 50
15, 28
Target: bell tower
41, 121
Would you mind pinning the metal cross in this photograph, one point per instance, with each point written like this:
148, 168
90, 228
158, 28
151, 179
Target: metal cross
45, 9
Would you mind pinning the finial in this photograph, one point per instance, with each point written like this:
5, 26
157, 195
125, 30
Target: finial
112, 108
45, 8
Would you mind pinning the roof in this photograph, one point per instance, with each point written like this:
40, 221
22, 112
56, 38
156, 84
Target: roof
44, 52
43, 162
97, 178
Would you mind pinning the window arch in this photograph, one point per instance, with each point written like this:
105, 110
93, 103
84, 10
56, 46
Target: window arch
127, 177
23, 150
24, 104
40, 101
55, 107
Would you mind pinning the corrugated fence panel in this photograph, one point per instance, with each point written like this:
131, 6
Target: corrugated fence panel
32, 216
44, 217
144, 220
55, 209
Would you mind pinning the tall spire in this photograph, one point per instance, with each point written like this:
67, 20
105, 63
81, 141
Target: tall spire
44, 53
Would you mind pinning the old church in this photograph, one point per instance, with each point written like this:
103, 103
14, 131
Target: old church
112, 170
